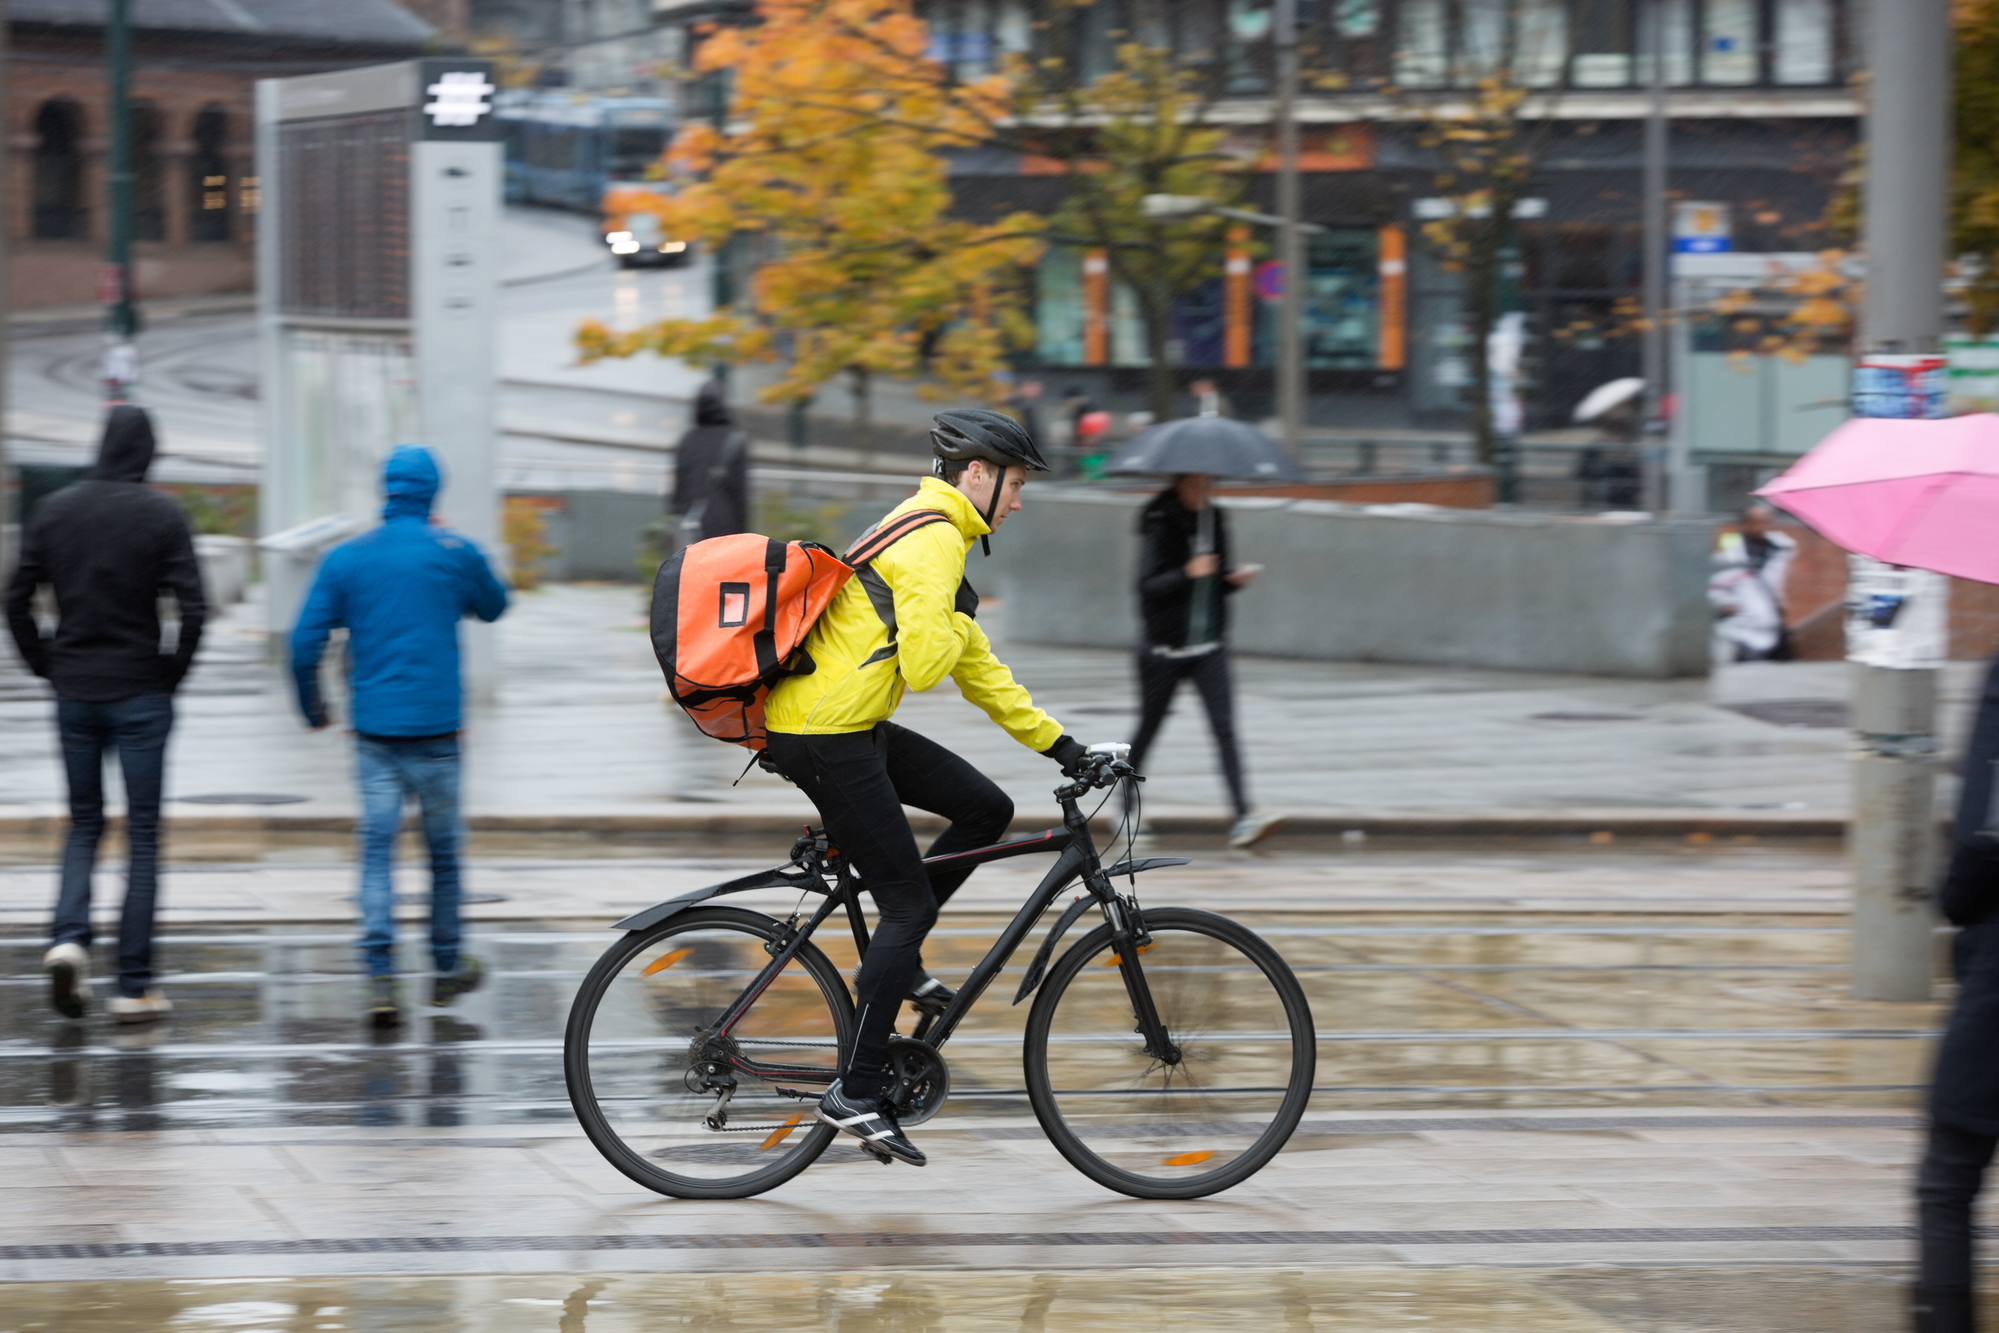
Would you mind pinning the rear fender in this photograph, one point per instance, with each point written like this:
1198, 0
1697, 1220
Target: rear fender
762, 879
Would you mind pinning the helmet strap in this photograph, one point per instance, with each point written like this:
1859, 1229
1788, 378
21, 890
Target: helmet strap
992, 506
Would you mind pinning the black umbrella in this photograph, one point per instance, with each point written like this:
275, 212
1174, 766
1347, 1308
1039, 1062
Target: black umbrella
1218, 446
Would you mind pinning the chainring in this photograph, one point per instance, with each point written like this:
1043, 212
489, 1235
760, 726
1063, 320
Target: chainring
918, 1082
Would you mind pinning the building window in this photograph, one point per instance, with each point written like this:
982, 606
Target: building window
210, 170
1602, 56
1804, 41
149, 212
1728, 42
1058, 301
59, 214
1422, 57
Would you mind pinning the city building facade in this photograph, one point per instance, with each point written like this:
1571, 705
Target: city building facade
191, 92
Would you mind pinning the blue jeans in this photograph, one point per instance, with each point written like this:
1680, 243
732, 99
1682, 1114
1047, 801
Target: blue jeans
388, 769
137, 728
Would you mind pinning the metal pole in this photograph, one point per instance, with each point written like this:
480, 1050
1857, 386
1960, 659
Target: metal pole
7, 205
120, 361
1893, 841
1290, 351
1654, 362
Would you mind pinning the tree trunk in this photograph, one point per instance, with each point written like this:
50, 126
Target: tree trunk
864, 436
1158, 338
1480, 273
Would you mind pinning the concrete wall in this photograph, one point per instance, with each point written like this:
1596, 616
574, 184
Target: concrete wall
597, 535
1442, 587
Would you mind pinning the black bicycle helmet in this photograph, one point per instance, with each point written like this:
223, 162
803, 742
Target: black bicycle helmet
963, 434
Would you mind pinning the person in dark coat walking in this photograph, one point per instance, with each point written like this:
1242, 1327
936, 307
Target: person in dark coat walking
108, 546
711, 471
1184, 583
1964, 1090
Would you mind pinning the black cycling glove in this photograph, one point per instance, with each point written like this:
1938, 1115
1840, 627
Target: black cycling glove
1070, 753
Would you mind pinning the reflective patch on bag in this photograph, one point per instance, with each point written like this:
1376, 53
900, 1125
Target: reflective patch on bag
735, 605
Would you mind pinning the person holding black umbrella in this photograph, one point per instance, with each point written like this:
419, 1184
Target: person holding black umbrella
1185, 580
1184, 583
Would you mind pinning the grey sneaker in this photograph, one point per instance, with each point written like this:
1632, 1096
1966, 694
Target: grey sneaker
385, 1009
1252, 829
462, 980
866, 1121
68, 966
148, 1008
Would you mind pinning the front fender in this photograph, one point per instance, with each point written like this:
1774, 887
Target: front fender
761, 879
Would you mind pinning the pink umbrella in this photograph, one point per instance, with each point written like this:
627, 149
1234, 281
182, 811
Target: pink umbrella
1924, 494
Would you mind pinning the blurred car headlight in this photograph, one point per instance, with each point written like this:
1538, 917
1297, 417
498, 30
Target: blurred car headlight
613, 237
672, 247
625, 248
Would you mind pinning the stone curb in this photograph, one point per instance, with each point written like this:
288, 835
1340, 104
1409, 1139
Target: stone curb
1601, 825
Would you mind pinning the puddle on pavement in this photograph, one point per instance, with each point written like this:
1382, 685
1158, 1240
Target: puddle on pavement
193, 845
1622, 1011
1686, 1300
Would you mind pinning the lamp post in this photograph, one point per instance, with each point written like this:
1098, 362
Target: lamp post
121, 361
1290, 250
1654, 362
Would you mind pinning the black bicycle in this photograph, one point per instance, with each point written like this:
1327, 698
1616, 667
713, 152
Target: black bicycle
1168, 1054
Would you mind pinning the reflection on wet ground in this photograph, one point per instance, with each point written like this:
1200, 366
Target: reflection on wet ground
1492, 1013
1156, 1301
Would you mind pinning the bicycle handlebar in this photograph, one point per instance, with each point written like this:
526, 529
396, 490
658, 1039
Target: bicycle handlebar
1104, 764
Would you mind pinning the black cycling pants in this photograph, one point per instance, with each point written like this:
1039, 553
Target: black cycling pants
860, 780
1954, 1165
1159, 679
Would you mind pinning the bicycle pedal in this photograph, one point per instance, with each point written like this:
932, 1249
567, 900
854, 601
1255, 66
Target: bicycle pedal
879, 1154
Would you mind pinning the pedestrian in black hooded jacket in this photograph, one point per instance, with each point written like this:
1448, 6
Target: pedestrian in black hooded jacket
1964, 1091
711, 470
109, 546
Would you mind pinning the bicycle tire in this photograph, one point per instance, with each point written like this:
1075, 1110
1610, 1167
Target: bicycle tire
624, 1097
1131, 1133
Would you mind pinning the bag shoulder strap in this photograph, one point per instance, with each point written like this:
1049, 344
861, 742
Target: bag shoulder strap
890, 531
862, 556
732, 448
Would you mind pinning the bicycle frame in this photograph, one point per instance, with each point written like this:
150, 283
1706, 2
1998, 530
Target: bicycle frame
1077, 860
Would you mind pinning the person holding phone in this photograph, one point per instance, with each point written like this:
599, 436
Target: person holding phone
1184, 583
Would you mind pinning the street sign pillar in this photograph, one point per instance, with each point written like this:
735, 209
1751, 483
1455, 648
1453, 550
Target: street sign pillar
378, 271
1895, 629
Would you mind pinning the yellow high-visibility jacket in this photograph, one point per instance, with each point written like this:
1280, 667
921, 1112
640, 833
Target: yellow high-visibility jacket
857, 684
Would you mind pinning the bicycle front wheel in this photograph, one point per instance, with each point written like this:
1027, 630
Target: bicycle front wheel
1220, 1110
646, 1063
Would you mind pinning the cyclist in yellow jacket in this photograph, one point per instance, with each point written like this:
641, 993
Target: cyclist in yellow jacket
906, 622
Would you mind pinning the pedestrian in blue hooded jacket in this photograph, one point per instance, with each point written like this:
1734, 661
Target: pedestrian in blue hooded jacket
400, 591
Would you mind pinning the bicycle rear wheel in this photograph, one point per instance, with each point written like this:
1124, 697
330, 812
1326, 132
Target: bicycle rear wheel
1144, 1127
641, 1042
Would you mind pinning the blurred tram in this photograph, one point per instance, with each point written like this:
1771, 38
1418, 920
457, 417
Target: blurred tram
565, 149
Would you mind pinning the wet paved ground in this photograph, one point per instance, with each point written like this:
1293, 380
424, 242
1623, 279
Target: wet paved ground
1592, 1088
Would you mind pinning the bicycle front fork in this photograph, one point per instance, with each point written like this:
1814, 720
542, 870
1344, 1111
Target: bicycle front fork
1130, 938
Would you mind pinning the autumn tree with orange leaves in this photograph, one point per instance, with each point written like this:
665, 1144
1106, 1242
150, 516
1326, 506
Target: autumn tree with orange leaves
831, 163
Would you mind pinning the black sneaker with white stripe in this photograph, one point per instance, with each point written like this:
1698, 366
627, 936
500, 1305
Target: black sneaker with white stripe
865, 1119
931, 996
